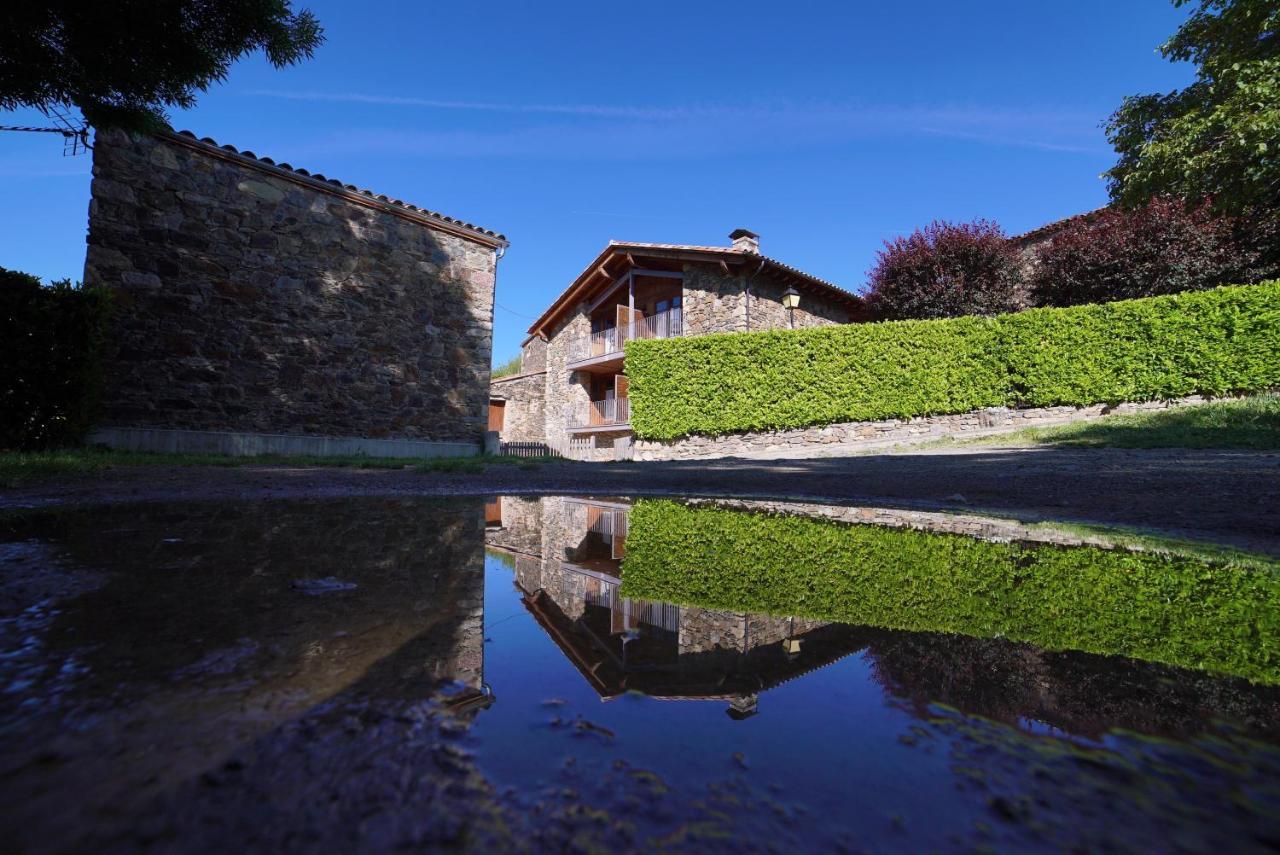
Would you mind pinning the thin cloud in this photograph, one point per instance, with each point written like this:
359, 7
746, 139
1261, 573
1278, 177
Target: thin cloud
606, 111
644, 132
1018, 143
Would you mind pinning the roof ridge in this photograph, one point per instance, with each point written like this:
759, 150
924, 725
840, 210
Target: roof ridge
316, 177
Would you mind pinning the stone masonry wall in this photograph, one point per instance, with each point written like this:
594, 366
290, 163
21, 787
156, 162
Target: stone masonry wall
852, 437
533, 356
253, 298
565, 389
715, 303
524, 415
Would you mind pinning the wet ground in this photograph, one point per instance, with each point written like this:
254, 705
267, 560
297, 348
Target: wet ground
1221, 496
372, 673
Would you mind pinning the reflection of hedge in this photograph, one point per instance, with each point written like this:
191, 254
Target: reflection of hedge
1173, 609
50, 338
1218, 341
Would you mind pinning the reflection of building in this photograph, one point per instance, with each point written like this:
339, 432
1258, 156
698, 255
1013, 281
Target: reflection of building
568, 560
568, 556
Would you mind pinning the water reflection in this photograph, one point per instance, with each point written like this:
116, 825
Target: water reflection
557, 672
569, 555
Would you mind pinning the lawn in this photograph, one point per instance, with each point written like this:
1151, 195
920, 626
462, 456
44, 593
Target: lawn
17, 467
1252, 422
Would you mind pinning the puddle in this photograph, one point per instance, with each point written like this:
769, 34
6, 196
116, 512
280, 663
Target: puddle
592, 672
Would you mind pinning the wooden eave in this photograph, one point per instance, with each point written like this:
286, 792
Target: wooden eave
604, 270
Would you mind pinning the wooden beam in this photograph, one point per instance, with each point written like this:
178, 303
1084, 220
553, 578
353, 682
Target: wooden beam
724, 267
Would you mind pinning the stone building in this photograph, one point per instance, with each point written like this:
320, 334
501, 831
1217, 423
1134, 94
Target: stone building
263, 308
648, 290
1030, 243
517, 410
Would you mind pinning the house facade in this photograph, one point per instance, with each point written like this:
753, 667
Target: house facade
261, 308
575, 350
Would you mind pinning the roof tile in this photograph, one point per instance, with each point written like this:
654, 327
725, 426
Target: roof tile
316, 176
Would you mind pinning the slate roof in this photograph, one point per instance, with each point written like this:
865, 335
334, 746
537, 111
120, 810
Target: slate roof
319, 181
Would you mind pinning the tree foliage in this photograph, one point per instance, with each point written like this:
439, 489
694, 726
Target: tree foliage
945, 270
122, 63
50, 344
1162, 247
1217, 137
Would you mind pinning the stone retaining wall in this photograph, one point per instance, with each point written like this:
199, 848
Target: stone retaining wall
256, 299
852, 437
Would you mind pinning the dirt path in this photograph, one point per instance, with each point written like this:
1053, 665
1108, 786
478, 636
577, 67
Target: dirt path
1231, 497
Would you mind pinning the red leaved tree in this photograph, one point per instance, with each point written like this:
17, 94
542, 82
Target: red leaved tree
945, 270
1162, 247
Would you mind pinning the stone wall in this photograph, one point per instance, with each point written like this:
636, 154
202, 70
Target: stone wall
565, 389
852, 437
524, 416
257, 299
533, 355
715, 302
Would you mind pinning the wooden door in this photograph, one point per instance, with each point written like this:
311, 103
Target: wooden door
619, 545
497, 415
622, 405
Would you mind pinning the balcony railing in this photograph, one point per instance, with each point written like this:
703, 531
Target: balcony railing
611, 411
607, 342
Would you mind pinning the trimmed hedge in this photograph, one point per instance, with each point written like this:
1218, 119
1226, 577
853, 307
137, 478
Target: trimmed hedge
50, 343
1176, 609
1213, 342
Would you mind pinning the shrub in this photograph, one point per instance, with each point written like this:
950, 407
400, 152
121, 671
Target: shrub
945, 270
50, 343
1177, 609
506, 369
1213, 342
1163, 247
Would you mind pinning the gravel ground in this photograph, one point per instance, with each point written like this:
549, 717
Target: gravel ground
1232, 497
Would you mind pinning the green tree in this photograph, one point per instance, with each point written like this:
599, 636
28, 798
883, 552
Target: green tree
1217, 137
123, 62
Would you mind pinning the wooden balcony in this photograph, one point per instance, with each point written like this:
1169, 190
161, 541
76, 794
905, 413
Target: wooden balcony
603, 350
609, 414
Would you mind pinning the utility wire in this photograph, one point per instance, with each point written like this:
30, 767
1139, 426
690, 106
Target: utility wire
514, 312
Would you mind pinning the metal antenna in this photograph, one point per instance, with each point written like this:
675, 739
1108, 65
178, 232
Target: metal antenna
75, 135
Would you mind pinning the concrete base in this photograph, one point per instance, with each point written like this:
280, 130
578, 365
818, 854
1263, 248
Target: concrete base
250, 444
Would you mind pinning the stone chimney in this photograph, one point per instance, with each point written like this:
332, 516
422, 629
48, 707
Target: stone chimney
745, 240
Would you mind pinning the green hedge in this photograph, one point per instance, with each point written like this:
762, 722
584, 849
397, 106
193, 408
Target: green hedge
50, 344
1177, 609
1214, 342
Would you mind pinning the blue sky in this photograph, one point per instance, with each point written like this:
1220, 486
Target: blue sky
825, 127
